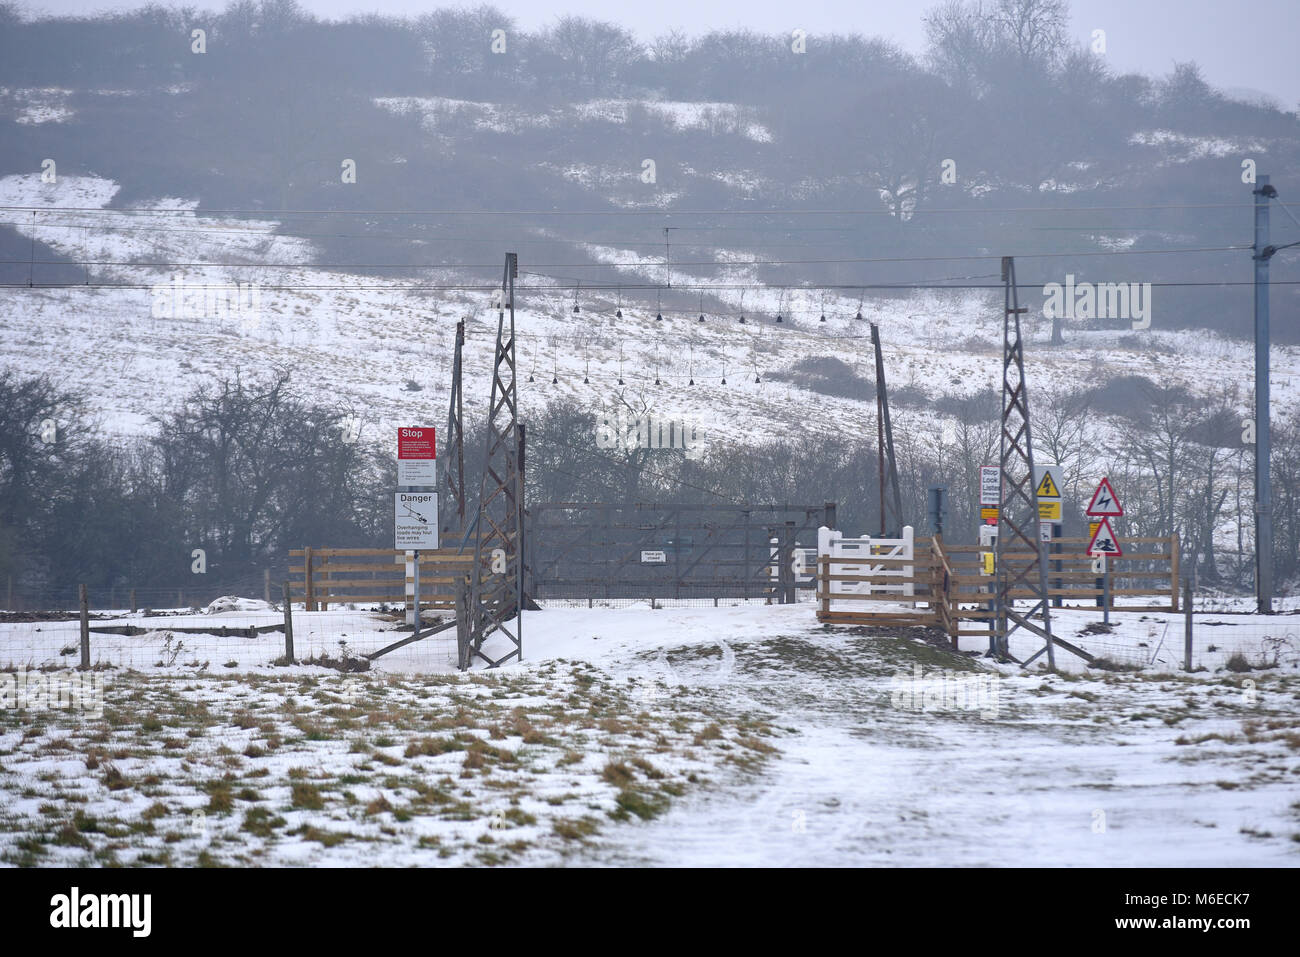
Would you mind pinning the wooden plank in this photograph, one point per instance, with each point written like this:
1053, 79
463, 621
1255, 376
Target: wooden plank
922, 560
374, 599
897, 599
883, 579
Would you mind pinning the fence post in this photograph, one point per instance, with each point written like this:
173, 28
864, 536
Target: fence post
824, 581
310, 604
1187, 624
463, 631
1173, 569
133, 604
785, 555
84, 603
266, 585
288, 624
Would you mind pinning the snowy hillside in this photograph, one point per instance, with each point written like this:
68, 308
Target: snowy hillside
360, 339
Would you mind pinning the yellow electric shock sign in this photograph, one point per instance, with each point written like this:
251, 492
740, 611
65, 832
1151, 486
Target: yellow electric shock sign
1047, 488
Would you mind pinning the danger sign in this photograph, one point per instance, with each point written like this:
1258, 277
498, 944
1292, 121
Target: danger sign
1104, 501
417, 457
1047, 479
1104, 541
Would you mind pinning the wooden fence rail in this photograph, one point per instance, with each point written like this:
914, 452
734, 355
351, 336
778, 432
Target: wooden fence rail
326, 576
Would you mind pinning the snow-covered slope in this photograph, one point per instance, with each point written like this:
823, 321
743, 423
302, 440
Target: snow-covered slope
361, 339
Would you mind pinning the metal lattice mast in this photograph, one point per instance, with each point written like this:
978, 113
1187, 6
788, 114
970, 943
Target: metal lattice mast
454, 456
1018, 513
891, 499
496, 581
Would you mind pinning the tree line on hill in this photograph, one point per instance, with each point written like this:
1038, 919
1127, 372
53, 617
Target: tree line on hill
245, 469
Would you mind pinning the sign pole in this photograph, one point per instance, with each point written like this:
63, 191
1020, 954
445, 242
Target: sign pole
416, 589
1105, 610
415, 504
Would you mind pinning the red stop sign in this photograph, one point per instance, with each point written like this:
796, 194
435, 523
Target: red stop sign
413, 443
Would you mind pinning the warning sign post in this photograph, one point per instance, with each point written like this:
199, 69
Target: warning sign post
1103, 543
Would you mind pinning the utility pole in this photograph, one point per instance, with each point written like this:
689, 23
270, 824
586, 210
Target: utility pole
1262, 253
891, 501
454, 456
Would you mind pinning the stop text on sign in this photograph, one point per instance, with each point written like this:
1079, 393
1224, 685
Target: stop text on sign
417, 457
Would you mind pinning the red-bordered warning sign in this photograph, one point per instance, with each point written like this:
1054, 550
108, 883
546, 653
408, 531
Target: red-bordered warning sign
1104, 501
1105, 541
416, 444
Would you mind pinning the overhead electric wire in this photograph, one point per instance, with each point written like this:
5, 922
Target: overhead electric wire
655, 211
557, 289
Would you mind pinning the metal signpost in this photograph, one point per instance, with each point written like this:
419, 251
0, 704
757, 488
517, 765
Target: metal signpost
415, 503
1103, 543
1047, 477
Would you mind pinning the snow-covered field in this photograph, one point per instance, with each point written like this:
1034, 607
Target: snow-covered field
738, 735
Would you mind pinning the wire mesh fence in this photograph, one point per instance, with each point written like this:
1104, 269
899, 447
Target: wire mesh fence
225, 638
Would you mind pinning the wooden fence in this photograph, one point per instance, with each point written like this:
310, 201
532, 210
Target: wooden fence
333, 576
951, 590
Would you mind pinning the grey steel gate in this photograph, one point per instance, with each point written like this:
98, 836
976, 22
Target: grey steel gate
655, 550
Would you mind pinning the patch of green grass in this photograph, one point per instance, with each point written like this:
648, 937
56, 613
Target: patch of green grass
307, 796
618, 774
638, 803
575, 829
260, 822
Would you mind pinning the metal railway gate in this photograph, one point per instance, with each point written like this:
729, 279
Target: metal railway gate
652, 550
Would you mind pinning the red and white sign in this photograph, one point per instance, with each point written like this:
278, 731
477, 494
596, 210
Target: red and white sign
1104, 501
417, 455
1105, 541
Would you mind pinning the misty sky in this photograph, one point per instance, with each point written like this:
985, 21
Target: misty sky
1250, 45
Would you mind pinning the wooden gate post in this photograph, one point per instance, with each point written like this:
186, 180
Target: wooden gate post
788, 593
288, 624
310, 604
1173, 570
84, 604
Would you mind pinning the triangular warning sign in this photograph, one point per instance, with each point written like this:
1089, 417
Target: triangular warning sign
1047, 488
1105, 501
1104, 541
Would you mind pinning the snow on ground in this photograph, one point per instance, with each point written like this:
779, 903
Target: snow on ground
739, 735
713, 118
